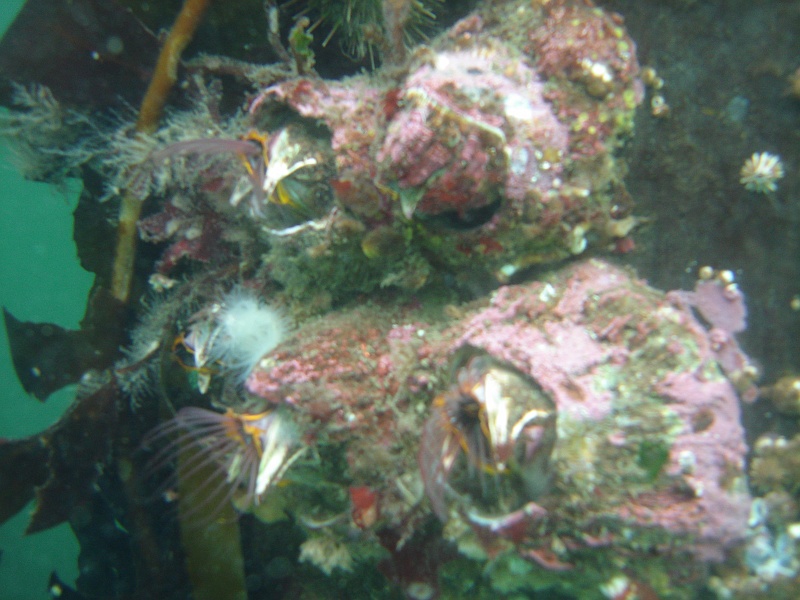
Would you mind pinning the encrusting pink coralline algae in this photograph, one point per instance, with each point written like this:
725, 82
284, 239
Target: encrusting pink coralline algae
574, 420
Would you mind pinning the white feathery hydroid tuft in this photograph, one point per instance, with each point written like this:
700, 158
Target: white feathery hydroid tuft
246, 329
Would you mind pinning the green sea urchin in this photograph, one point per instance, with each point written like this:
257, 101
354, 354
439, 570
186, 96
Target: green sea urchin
368, 25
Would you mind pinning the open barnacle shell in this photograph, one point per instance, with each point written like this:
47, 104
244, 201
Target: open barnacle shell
489, 438
289, 182
228, 456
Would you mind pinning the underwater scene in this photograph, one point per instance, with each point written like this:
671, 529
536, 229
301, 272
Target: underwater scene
403, 299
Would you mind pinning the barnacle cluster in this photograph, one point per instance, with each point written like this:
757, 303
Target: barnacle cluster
784, 394
776, 463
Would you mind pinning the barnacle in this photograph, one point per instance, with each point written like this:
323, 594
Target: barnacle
282, 155
489, 438
784, 394
248, 453
761, 172
271, 163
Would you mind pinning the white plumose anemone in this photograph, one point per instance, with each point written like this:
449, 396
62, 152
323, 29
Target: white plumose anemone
245, 329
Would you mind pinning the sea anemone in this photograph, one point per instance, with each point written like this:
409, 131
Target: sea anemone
233, 456
236, 332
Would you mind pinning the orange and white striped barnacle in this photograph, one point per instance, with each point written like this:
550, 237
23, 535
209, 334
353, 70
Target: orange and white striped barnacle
489, 439
286, 172
245, 454
292, 172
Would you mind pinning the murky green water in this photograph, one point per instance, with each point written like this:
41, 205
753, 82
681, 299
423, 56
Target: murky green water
42, 280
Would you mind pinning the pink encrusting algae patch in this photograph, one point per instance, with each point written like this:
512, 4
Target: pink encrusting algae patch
603, 395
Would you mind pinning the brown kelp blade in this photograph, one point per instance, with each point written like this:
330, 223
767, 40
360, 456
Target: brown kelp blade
78, 443
57, 467
91, 53
47, 357
23, 467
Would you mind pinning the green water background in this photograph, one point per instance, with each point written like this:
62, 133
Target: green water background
41, 281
